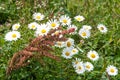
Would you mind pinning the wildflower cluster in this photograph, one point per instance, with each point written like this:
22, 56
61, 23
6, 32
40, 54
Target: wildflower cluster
69, 47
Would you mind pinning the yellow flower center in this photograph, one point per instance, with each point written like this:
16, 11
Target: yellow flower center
14, 35
112, 70
78, 19
56, 33
16, 27
73, 50
59, 43
101, 28
76, 62
67, 53
33, 26
87, 66
93, 55
65, 21
53, 24
38, 17
79, 67
43, 31
68, 44
84, 34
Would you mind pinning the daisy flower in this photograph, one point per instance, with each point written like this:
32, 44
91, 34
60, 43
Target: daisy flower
69, 42
42, 30
79, 18
84, 33
65, 20
67, 53
60, 44
76, 62
38, 16
73, 26
112, 70
16, 26
12, 35
33, 25
88, 66
53, 24
93, 55
102, 28
86, 27
74, 51
80, 69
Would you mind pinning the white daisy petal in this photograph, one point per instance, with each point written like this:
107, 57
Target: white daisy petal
80, 69
102, 28
79, 18
88, 66
60, 44
93, 55
86, 27
16, 26
67, 53
84, 33
42, 30
33, 25
12, 36
74, 50
76, 62
53, 24
69, 42
112, 70
38, 16
65, 20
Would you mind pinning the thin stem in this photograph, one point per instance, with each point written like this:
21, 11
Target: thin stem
107, 76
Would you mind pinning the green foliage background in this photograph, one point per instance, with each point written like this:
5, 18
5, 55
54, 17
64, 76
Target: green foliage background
94, 11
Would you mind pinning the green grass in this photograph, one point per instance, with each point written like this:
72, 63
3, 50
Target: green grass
106, 12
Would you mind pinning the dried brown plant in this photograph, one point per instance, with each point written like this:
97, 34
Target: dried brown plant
41, 46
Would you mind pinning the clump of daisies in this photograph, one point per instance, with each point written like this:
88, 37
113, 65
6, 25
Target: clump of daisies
12, 36
112, 70
81, 67
67, 53
68, 48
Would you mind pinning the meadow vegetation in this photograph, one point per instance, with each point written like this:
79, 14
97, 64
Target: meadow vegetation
92, 52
